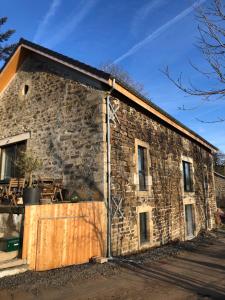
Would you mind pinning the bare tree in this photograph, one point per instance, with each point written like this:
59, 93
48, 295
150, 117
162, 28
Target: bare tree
5, 49
211, 43
219, 162
123, 76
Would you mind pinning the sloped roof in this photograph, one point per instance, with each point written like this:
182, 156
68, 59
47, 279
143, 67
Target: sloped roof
23, 49
219, 175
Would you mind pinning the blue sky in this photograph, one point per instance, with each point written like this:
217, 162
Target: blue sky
141, 36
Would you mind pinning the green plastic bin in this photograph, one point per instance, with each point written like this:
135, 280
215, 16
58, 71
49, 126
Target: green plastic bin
9, 244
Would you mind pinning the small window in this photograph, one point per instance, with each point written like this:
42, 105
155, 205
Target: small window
187, 173
25, 89
142, 168
144, 228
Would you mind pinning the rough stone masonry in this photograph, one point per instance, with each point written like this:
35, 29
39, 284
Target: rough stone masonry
164, 198
220, 190
64, 119
65, 112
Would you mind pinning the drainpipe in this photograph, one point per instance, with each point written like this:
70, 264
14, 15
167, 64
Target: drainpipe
109, 214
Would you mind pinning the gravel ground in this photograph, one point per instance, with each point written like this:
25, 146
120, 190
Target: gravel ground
34, 281
172, 249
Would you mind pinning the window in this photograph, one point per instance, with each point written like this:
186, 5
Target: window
187, 173
144, 228
189, 219
25, 89
206, 181
142, 168
9, 154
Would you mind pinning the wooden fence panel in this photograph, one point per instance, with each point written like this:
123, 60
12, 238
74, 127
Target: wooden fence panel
57, 235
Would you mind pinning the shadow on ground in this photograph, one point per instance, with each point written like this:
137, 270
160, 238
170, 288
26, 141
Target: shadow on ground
200, 270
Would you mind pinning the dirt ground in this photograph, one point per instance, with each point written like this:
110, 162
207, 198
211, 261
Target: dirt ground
190, 270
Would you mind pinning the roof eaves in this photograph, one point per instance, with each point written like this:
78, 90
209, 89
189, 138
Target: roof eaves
156, 107
106, 77
220, 175
67, 59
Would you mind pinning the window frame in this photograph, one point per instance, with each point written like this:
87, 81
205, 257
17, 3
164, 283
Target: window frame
145, 209
148, 177
15, 172
144, 230
206, 180
187, 183
193, 208
142, 172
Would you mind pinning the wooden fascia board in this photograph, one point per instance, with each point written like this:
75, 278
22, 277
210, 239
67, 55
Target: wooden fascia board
158, 114
11, 68
16, 59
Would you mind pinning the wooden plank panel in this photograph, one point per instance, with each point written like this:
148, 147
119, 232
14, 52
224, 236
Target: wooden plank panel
58, 235
46, 240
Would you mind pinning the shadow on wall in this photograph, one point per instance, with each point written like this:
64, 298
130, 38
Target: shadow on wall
80, 185
96, 219
67, 156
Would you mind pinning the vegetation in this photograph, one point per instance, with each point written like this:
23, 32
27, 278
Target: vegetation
5, 48
28, 163
219, 162
211, 44
123, 76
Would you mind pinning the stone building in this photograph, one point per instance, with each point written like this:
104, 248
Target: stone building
162, 179
220, 189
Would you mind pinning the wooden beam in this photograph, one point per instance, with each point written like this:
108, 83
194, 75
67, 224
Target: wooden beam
10, 70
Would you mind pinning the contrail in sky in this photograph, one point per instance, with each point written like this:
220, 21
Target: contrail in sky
68, 27
158, 32
50, 13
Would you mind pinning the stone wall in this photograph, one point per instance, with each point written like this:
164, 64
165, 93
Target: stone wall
220, 190
165, 198
64, 119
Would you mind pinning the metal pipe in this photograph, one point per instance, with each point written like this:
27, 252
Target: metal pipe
108, 177
109, 212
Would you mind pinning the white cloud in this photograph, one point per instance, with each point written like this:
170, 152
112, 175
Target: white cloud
144, 11
50, 13
67, 28
159, 31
